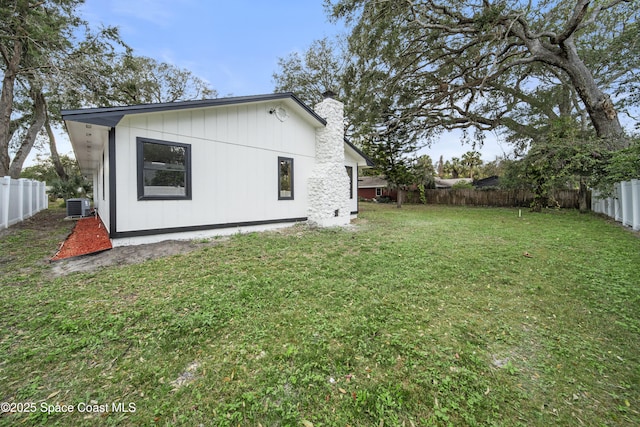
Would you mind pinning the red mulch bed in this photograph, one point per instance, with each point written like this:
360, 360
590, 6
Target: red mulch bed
88, 236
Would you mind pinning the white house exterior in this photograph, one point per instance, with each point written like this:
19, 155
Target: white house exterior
202, 168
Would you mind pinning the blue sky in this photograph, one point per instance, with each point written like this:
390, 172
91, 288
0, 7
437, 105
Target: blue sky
232, 44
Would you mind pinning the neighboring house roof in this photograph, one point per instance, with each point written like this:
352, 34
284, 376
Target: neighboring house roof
372, 182
448, 183
492, 181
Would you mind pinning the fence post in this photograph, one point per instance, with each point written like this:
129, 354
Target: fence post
623, 203
611, 206
39, 196
21, 190
4, 203
32, 206
616, 201
627, 213
36, 186
45, 196
34, 197
635, 204
596, 202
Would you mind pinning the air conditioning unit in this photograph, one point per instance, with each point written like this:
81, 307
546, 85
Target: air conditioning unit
78, 207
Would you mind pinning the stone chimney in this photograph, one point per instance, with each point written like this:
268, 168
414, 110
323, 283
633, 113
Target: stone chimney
329, 182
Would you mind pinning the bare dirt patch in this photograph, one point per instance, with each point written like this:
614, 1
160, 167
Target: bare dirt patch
126, 255
42, 224
48, 229
50, 225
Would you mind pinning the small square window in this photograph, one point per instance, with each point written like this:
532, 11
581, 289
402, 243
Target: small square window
285, 178
164, 170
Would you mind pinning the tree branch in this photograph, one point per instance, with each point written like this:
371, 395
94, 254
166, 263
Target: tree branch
597, 10
579, 12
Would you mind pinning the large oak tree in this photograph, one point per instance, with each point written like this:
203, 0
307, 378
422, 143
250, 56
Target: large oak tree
446, 64
39, 42
29, 32
51, 59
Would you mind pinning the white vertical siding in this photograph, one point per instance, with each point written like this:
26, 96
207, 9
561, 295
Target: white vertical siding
349, 160
101, 188
234, 167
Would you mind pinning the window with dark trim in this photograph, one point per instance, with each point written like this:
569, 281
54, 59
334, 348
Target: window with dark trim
350, 173
285, 178
164, 170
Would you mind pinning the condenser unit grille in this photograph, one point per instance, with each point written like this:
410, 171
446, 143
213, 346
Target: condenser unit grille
78, 207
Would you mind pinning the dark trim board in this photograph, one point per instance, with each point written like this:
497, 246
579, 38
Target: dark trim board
360, 153
154, 231
112, 183
111, 116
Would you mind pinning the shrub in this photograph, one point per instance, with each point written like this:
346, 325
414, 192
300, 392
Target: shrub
462, 185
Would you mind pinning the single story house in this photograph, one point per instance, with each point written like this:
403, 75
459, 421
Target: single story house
200, 168
445, 183
371, 187
492, 181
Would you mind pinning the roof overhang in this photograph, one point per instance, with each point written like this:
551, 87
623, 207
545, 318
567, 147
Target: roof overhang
363, 159
88, 141
372, 182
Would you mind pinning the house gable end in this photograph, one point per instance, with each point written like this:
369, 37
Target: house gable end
111, 116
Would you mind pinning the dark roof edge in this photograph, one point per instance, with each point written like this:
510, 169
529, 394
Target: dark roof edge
357, 150
111, 116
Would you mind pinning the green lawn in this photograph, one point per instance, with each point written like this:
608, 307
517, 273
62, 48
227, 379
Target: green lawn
426, 315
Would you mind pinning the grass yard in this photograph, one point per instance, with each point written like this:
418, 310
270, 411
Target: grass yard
426, 315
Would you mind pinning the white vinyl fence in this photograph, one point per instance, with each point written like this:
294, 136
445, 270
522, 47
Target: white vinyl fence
624, 206
20, 199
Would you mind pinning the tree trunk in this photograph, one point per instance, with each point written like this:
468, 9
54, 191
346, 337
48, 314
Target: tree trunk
39, 117
601, 111
598, 104
582, 196
55, 157
399, 198
6, 105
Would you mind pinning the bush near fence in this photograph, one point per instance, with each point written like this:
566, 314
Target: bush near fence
20, 199
496, 198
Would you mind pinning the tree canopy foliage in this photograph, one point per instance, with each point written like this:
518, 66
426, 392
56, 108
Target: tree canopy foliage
33, 37
318, 70
447, 64
72, 185
44, 169
51, 59
564, 159
45, 48
127, 79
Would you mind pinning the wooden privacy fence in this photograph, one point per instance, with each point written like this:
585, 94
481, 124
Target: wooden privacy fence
623, 206
20, 199
497, 198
